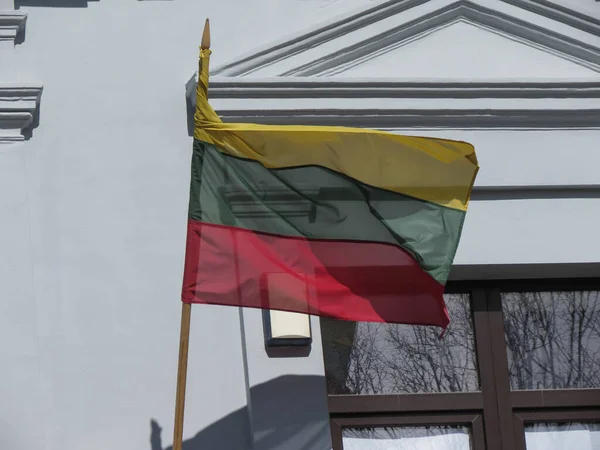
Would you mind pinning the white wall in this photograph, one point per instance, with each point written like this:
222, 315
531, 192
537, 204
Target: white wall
92, 235
93, 211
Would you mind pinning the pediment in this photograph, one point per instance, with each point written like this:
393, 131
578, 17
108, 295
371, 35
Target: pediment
465, 50
428, 64
438, 39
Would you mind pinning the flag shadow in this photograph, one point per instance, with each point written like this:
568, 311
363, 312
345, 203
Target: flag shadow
288, 413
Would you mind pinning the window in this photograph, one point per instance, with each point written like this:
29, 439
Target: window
553, 339
518, 368
374, 358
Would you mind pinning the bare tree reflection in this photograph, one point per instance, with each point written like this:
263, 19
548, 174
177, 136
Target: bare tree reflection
553, 339
372, 358
419, 358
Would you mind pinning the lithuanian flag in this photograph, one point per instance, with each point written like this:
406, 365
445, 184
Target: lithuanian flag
349, 223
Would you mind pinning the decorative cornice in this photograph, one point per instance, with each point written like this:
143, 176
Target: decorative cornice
438, 118
18, 107
272, 54
499, 16
410, 104
11, 24
306, 87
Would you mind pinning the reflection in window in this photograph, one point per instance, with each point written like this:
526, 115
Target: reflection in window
552, 436
375, 358
553, 339
407, 438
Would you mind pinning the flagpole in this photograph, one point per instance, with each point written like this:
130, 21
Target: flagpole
184, 336
184, 341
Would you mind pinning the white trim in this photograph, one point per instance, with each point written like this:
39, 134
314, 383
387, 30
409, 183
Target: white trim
18, 105
551, 28
413, 104
11, 24
468, 119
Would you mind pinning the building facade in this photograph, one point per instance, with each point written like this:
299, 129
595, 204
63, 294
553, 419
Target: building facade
95, 142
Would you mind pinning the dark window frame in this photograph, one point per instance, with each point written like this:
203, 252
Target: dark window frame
502, 411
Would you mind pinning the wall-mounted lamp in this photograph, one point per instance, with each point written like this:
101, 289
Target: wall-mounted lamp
289, 329
284, 328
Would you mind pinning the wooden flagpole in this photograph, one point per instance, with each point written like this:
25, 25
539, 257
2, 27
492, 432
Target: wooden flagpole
184, 340
184, 336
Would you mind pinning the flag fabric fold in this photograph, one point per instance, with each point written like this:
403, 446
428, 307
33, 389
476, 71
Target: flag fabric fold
349, 223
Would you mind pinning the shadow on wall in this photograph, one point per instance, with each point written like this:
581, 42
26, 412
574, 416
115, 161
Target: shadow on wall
288, 413
54, 3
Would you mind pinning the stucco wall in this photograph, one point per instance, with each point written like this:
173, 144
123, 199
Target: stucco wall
93, 210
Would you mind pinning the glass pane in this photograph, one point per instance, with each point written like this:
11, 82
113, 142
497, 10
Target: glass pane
553, 339
407, 438
376, 358
553, 436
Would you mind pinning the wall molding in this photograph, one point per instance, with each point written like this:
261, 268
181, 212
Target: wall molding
538, 192
271, 54
408, 104
18, 108
430, 119
500, 16
306, 87
12, 23
464, 11
559, 13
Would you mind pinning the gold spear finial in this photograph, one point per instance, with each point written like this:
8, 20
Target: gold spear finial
206, 36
